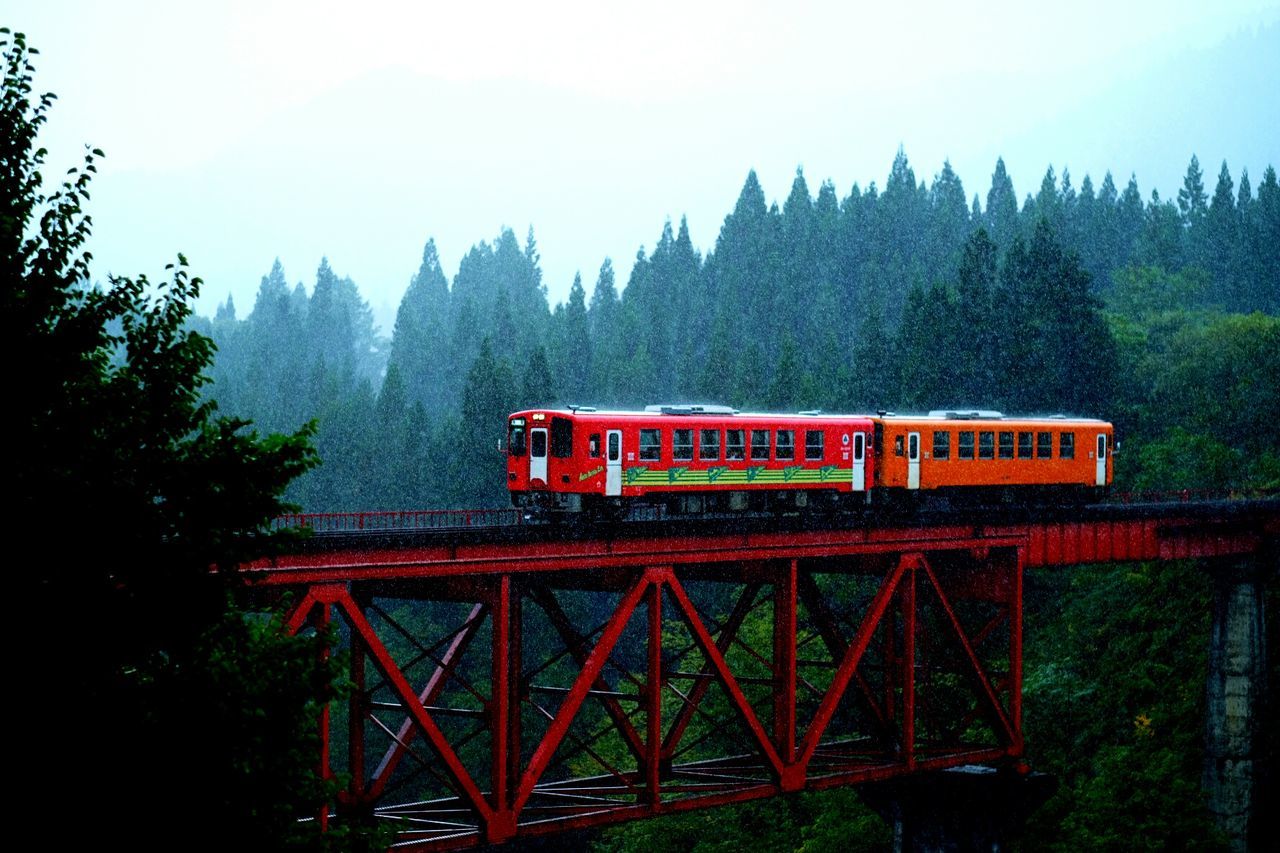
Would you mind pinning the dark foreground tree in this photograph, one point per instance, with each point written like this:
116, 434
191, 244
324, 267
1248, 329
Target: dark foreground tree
155, 709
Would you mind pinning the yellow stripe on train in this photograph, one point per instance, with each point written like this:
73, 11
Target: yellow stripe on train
757, 475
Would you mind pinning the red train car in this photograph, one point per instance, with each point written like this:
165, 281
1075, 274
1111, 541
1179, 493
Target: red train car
691, 458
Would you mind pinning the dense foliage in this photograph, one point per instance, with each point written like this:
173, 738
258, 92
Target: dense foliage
154, 703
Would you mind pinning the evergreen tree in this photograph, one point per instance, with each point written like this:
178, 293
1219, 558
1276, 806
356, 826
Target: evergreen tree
1263, 288
949, 220
1160, 243
605, 322
419, 345
1219, 248
1002, 207
536, 389
487, 399
1054, 334
571, 346
1192, 201
974, 354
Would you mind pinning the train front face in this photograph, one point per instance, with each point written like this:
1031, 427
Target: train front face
544, 460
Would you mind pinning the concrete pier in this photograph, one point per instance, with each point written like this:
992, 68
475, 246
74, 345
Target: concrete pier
1236, 694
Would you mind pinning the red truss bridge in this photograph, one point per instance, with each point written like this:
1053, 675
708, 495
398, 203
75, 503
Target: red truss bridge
513, 681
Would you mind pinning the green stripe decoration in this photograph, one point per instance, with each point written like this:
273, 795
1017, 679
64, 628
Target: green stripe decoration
755, 475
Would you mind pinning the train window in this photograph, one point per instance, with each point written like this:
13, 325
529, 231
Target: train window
786, 444
964, 449
1006, 445
897, 445
986, 445
813, 446
516, 440
1067, 445
942, 444
561, 438
759, 444
593, 445
1024, 445
682, 444
615, 450
538, 444
650, 446
709, 445
1044, 445
735, 444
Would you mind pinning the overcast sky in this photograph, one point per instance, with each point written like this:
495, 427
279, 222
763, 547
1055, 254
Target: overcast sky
238, 132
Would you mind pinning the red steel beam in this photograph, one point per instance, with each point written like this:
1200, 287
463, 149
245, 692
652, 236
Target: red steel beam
653, 685
784, 661
1045, 543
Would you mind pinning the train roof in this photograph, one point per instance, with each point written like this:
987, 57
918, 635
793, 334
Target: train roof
695, 411
988, 415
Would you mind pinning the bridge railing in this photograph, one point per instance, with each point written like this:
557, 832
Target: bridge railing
398, 520
1148, 496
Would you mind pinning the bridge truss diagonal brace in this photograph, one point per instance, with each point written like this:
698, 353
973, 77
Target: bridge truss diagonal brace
583, 684
337, 596
711, 652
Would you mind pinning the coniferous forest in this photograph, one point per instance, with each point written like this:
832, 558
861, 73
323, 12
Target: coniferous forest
1161, 315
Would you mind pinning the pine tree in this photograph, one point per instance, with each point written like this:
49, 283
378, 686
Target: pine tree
1002, 207
420, 343
604, 320
1192, 201
536, 388
1054, 332
973, 380
1263, 289
1219, 248
571, 348
487, 399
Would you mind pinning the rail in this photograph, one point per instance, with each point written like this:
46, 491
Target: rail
393, 520
447, 519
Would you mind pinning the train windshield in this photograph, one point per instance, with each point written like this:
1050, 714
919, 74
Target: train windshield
516, 438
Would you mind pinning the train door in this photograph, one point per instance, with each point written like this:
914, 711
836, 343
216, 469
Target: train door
613, 463
1102, 459
859, 461
913, 460
538, 454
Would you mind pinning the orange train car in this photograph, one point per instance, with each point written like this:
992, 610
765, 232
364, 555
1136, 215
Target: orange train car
985, 455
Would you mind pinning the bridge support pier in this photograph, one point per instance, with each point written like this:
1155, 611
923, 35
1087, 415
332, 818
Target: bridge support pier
958, 810
1235, 699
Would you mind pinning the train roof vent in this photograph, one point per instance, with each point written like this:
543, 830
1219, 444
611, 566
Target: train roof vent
588, 409
967, 414
692, 410
811, 413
